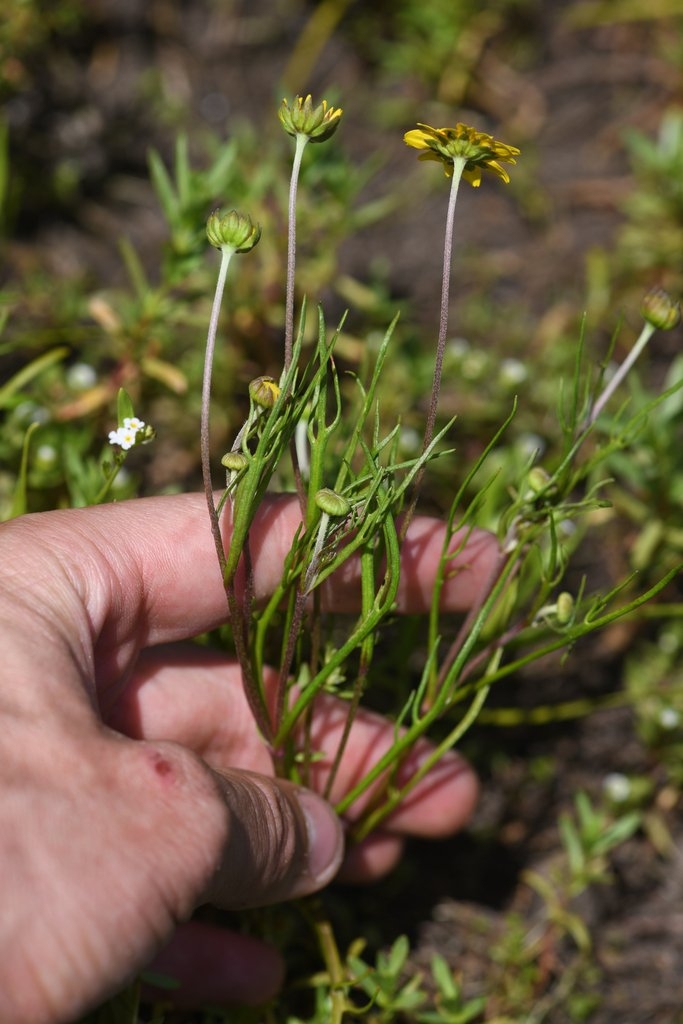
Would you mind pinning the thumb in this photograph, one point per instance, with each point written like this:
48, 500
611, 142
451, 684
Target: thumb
283, 841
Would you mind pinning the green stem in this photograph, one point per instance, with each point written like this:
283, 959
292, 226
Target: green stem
458, 168
542, 714
109, 479
444, 699
645, 335
383, 601
367, 646
235, 607
301, 141
374, 818
333, 962
204, 442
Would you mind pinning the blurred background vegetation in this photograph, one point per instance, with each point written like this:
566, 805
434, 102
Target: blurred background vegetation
124, 125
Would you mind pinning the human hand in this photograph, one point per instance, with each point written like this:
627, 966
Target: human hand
133, 783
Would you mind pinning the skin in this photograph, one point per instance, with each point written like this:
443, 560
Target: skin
134, 786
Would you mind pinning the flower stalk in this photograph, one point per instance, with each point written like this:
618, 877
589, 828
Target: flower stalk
458, 168
619, 375
229, 233
301, 141
660, 312
305, 123
464, 152
204, 433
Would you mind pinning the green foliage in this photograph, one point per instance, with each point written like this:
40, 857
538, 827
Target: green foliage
653, 236
25, 27
437, 44
587, 840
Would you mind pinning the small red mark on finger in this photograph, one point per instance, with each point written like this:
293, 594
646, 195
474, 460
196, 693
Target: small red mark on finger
162, 766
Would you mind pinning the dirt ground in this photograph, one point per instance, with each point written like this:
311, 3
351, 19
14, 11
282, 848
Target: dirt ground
567, 94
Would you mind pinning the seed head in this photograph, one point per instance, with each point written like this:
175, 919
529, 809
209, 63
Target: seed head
329, 501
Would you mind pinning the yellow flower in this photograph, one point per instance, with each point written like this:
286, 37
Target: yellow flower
302, 118
477, 149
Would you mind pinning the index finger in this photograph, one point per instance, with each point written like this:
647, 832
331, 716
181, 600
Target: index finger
152, 563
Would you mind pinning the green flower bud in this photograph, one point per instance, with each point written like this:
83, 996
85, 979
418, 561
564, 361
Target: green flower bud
329, 501
538, 480
232, 230
147, 434
234, 461
565, 608
264, 391
660, 310
302, 118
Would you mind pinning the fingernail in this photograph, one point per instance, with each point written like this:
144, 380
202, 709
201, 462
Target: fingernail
325, 840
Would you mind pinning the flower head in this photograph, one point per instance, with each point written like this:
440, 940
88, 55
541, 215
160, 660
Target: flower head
264, 391
131, 432
232, 230
302, 118
660, 310
477, 149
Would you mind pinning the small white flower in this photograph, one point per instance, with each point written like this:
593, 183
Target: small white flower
668, 641
457, 348
29, 412
668, 718
133, 423
474, 365
46, 455
124, 437
512, 371
81, 376
617, 787
531, 444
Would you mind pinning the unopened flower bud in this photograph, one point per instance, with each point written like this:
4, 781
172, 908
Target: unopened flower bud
302, 118
565, 608
232, 230
660, 310
234, 461
146, 434
329, 501
264, 391
538, 480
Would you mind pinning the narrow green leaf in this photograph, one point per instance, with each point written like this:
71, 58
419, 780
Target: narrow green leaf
124, 406
19, 501
27, 373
